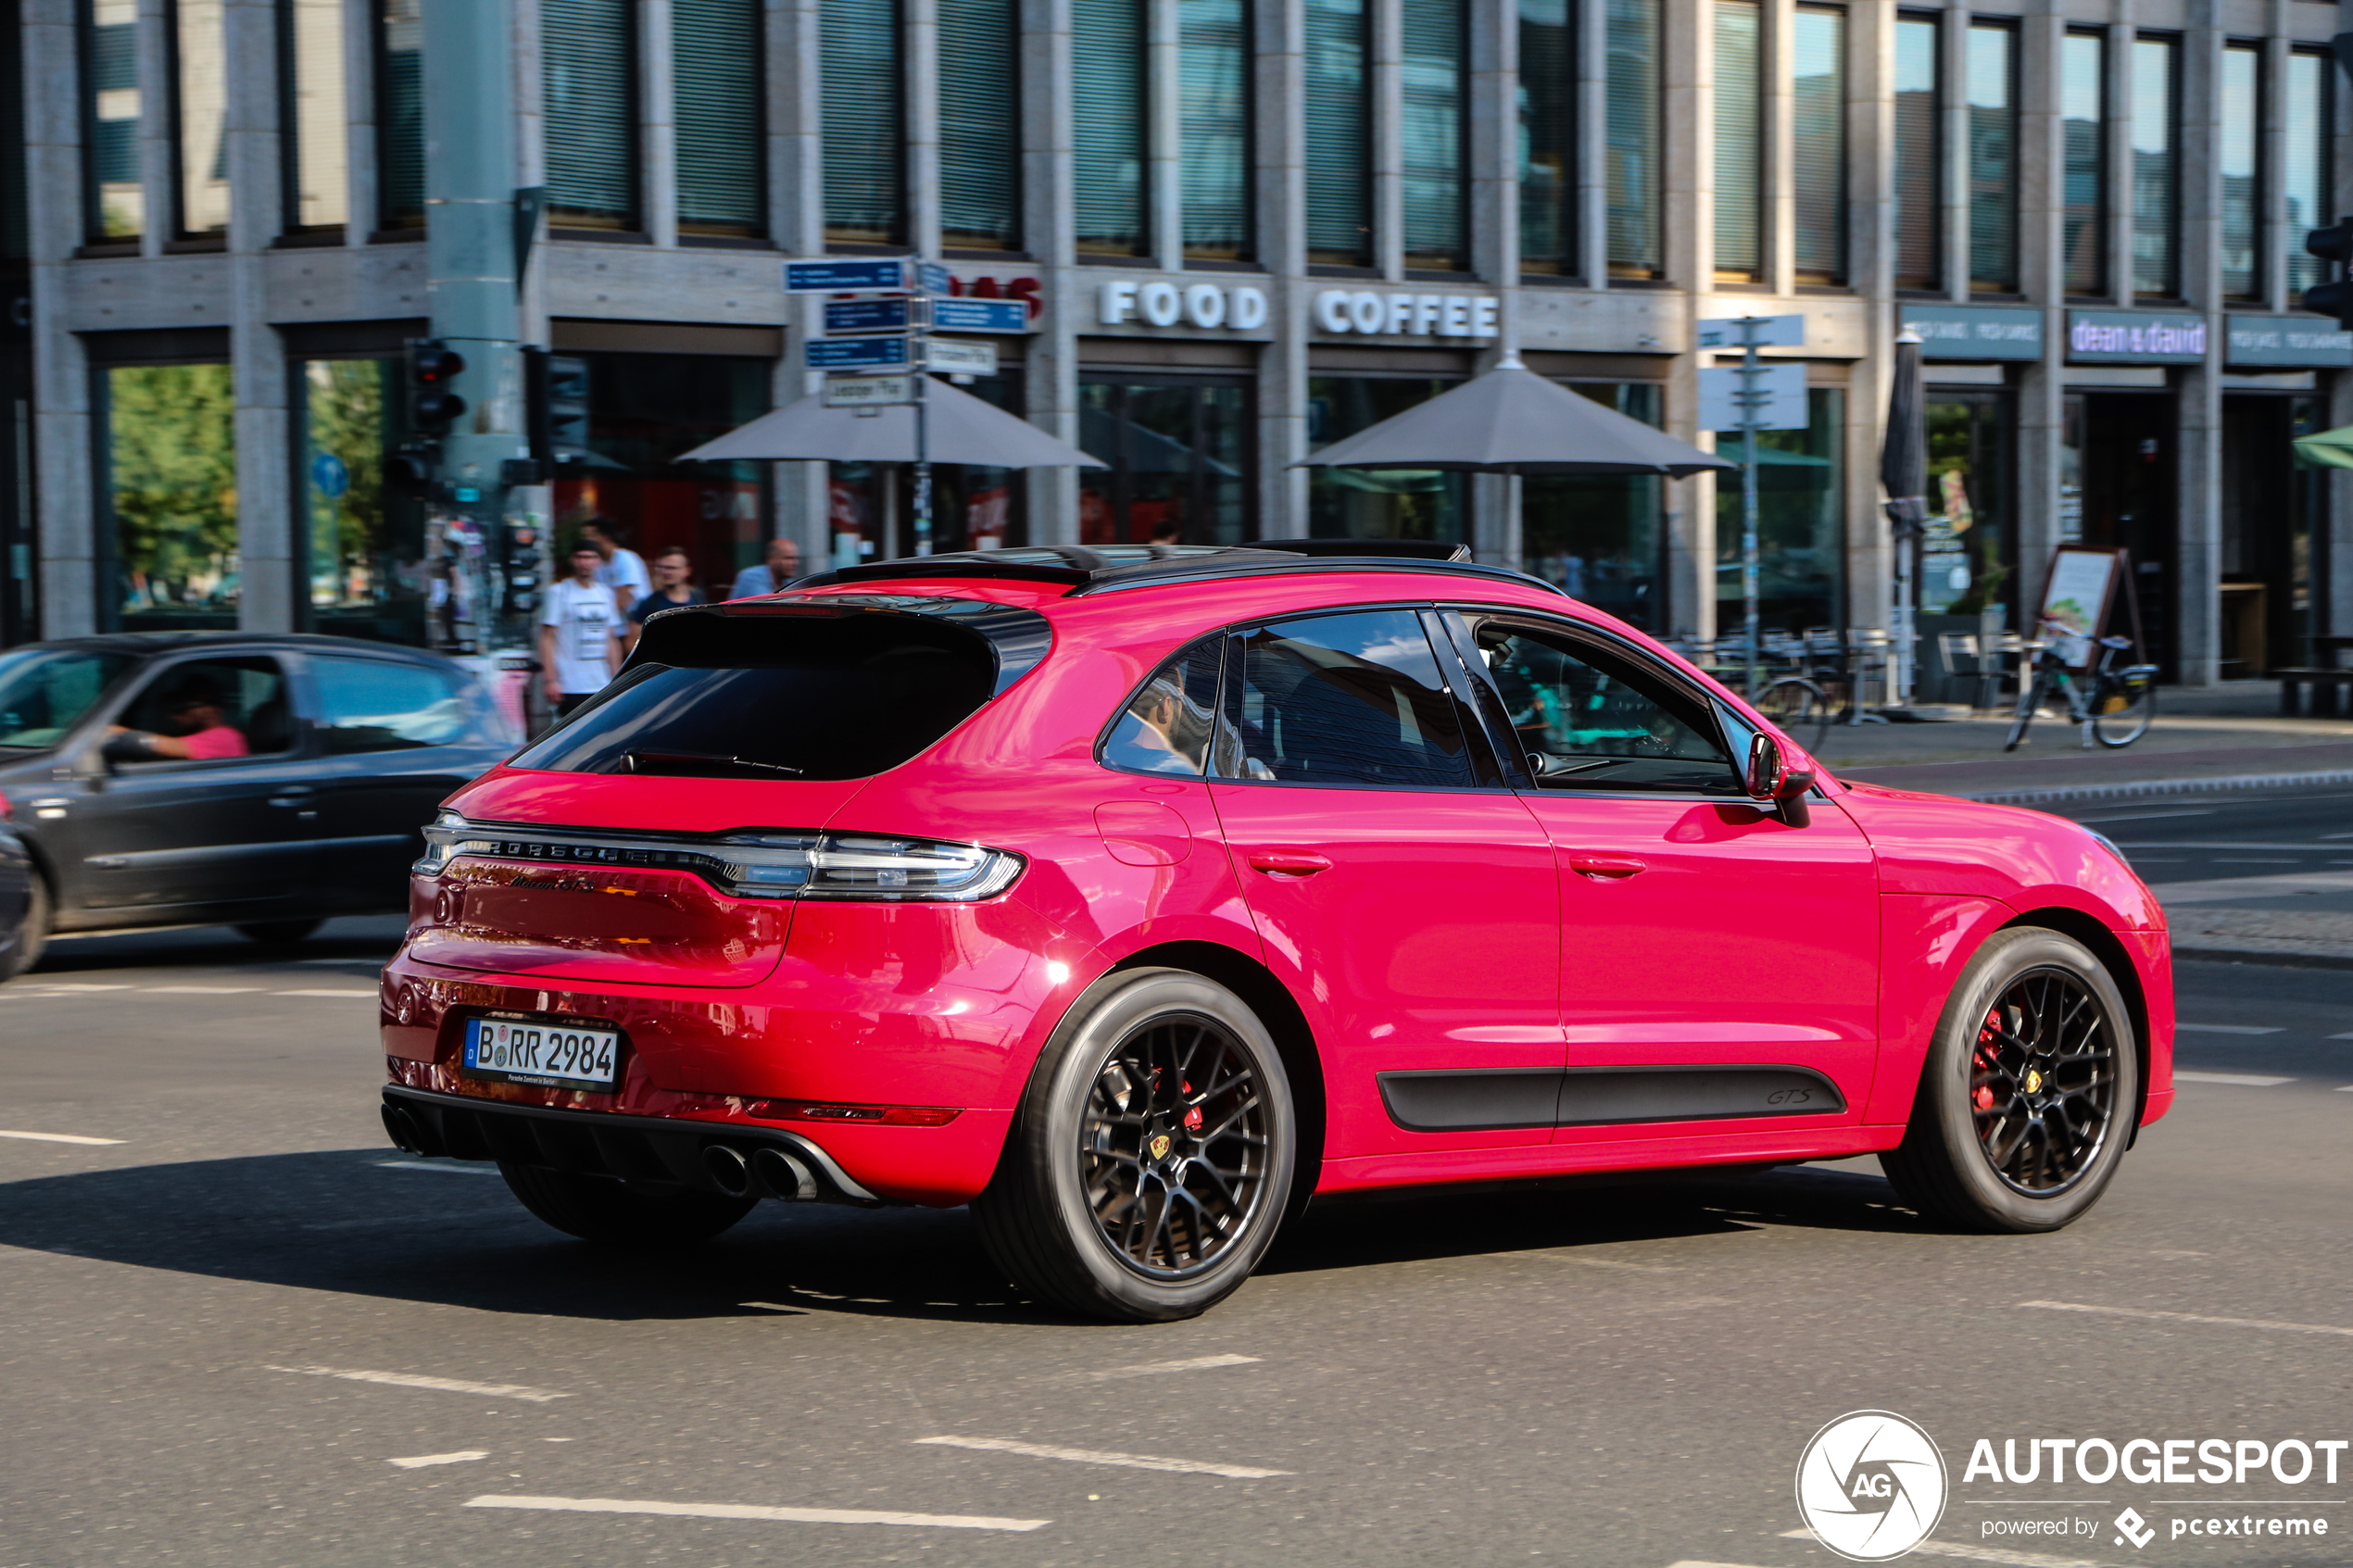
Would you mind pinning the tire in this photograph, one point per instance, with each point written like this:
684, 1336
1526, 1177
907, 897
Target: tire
2118, 718
610, 1213
32, 932
278, 933
1111, 1122
1981, 1152
1799, 706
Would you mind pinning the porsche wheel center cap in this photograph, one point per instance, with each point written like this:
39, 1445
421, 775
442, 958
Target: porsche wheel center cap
2034, 1083
1160, 1145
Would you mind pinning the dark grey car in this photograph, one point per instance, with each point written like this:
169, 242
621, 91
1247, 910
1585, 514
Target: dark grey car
265, 782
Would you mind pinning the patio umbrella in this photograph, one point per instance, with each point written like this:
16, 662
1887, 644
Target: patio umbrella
1513, 420
1903, 474
2328, 449
964, 430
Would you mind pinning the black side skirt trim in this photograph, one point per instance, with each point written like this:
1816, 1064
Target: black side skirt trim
1495, 1098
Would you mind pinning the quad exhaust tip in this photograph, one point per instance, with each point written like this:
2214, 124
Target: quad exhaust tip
780, 1175
726, 1170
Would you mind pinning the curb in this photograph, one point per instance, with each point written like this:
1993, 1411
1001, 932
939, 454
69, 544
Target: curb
2274, 959
2142, 789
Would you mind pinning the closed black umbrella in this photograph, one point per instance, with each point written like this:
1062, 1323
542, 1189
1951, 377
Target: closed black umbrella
1513, 420
1903, 474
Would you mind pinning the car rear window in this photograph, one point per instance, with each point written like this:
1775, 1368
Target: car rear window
825, 695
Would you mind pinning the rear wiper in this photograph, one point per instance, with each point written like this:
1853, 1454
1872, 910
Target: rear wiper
635, 757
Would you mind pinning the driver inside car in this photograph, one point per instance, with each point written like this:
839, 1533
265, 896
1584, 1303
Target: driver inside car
200, 731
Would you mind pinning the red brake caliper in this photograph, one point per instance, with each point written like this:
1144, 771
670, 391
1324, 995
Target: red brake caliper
1989, 1056
1192, 1115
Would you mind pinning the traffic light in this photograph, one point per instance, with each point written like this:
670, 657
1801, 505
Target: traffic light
433, 366
2335, 296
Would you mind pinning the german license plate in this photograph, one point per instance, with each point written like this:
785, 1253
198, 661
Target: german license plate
553, 1053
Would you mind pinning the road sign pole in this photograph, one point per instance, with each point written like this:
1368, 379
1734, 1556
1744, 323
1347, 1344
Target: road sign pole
1750, 368
921, 344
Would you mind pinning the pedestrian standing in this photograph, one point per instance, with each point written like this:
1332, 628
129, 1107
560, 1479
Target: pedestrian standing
580, 634
620, 569
771, 576
671, 591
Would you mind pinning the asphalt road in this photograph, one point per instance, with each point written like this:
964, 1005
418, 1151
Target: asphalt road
1621, 1374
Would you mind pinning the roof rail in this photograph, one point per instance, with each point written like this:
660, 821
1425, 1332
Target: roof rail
1104, 568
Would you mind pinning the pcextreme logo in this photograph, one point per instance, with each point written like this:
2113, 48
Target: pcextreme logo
1871, 1486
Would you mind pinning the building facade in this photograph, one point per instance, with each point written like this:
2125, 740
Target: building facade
1241, 229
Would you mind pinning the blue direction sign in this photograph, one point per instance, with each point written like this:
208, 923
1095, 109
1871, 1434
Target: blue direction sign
865, 315
980, 315
844, 277
328, 472
858, 353
932, 278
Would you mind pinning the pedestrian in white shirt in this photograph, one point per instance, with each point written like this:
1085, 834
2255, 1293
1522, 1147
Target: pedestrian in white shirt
618, 568
580, 634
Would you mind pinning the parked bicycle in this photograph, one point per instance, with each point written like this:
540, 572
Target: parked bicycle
2113, 705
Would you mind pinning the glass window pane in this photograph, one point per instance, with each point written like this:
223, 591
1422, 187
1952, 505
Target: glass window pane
1430, 131
2306, 178
1338, 200
1919, 186
201, 88
979, 143
45, 692
590, 51
1213, 94
1377, 503
1347, 699
1968, 556
1817, 143
110, 82
364, 542
2083, 122
1600, 539
217, 708
1637, 245
2155, 183
400, 114
1107, 106
171, 497
1739, 170
1800, 531
1993, 159
1547, 138
863, 120
1179, 456
1589, 720
313, 142
1166, 728
385, 705
2242, 173
715, 55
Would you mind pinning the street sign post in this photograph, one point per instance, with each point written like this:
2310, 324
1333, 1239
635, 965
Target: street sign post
1764, 398
979, 316
848, 316
858, 353
868, 392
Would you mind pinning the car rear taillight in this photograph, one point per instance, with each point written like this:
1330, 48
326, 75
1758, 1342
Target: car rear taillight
751, 865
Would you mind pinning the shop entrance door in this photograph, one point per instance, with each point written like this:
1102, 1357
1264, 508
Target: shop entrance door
2129, 479
2270, 503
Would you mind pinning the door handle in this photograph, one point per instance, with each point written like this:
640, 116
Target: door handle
293, 795
1287, 862
1611, 868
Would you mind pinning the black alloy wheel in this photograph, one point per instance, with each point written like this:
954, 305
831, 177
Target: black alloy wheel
2042, 1082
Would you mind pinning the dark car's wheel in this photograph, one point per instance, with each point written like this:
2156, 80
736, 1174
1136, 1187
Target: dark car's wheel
2030, 1091
278, 933
609, 1213
32, 932
1153, 1154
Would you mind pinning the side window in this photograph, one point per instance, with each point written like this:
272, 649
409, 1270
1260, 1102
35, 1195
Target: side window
206, 710
1346, 699
1591, 718
1166, 728
386, 705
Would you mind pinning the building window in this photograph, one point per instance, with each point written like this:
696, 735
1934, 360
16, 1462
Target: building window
1800, 530
400, 114
2156, 272
2083, 126
1180, 450
590, 50
1602, 540
715, 72
2305, 175
312, 119
1107, 108
1636, 139
1919, 145
200, 102
1337, 112
1817, 143
1740, 142
1547, 138
168, 532
1968, 554
1993, 159
2240, 146
1378, 503
979, 135
1214, 108
363, 541
1430, 107
115, 201
863, 104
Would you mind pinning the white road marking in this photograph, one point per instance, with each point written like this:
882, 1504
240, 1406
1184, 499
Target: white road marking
452, 1166
2003, 1555
1099, 1456
750, 1511
2224, 1029
1141, 1369
198, 990
2243, 1080
56, 986
370, 995
60, 1137
2189, 1317
418, 1462
775, 1307
413, 1380
2224, 889
1608, 1263
2348, 1036
1695, 1563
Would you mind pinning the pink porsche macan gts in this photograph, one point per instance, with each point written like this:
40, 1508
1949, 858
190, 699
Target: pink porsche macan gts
1133, 897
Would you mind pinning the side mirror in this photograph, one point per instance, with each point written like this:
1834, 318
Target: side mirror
1772, 780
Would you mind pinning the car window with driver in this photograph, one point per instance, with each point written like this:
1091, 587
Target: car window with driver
204, 711
1589, 719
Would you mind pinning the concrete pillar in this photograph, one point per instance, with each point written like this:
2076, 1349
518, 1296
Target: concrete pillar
1278, 121
1386, 65
268, 548
2040, 386
797, 218
1592, 52
1164, 132
359, 119
2120, 154
1051, 380
1870, 191
157, 91
535, 503
1494, 532
657, 124
63, 461
1778, 206
1689, 75
919, 79
2197, 563
2336, 582
1953, 136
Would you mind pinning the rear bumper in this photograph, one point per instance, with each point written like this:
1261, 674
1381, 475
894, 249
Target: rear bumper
648, 1149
